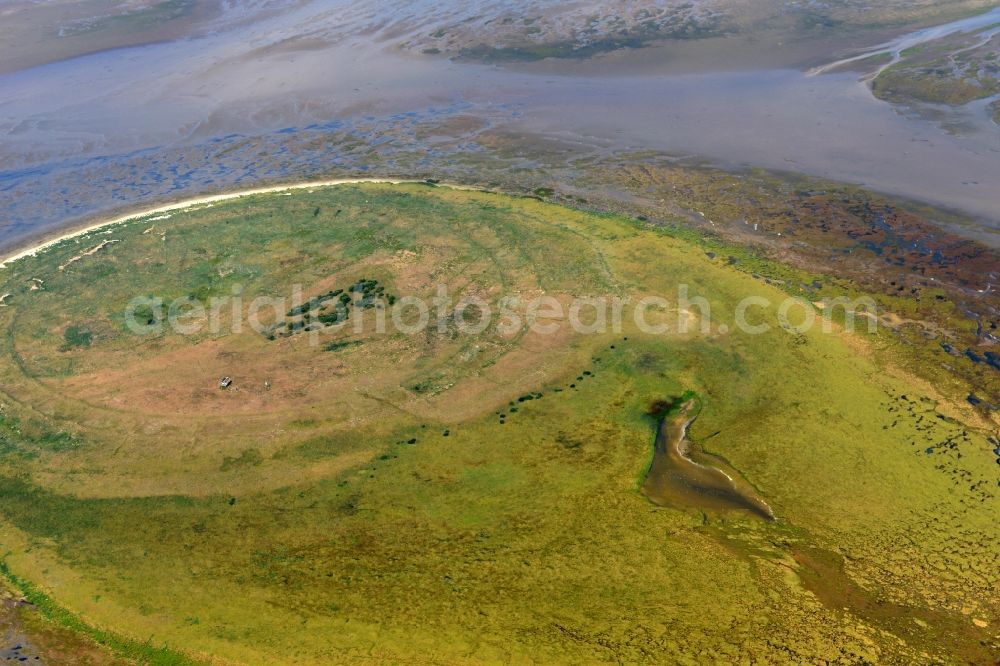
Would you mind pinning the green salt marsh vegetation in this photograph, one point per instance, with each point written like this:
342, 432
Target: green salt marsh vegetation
402, 499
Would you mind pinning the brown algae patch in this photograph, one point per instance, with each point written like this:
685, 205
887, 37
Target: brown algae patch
684, 475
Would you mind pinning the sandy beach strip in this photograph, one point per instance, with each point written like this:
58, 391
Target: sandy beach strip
211, 199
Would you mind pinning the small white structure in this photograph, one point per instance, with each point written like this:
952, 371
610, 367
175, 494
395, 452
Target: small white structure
225, 382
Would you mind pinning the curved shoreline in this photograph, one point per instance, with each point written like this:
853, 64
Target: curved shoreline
184, 204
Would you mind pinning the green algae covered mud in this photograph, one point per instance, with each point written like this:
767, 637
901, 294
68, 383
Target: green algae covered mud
456, 493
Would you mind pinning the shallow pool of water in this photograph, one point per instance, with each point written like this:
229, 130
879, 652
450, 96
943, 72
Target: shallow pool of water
684, 476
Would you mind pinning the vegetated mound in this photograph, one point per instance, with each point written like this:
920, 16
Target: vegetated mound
449, 492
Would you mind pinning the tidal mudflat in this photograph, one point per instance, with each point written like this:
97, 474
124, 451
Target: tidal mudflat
168, 119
